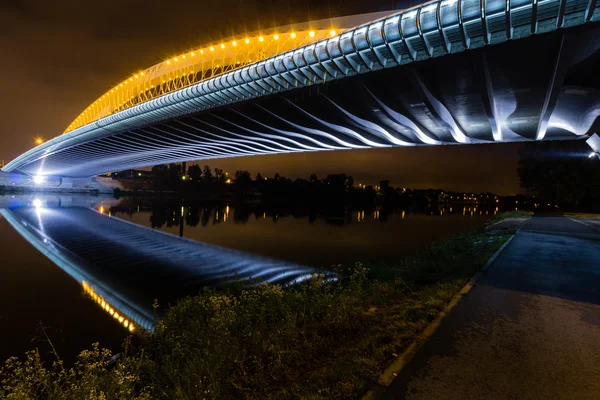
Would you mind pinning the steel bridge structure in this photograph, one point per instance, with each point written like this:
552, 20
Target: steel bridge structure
443, 72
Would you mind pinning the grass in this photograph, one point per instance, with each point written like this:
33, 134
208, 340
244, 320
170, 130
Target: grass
509, 214
321, 339
583, 215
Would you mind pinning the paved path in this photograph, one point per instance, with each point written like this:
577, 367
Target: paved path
530, 329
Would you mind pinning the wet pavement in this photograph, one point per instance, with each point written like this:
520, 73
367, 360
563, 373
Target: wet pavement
530, 328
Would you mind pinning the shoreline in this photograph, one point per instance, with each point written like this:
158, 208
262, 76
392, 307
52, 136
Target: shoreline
364, 309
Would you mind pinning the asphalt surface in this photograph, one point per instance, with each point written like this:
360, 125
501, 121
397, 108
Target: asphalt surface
529, 329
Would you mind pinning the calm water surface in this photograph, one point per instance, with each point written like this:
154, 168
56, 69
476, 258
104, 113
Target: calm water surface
89, 268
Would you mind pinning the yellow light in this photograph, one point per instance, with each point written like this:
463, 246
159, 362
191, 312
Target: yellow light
247, 40
137, 77
201, 51
176, 59
212, 49
332, 32
293, 35
276, 37
260, 39
234, 43
39, 140
168, 61
142, 74
193, 54
311, 34
182, 56
222, 45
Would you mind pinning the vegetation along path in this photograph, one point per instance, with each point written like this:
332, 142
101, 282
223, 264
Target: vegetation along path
528, 330
319, 339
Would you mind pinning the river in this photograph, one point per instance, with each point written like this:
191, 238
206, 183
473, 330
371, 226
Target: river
89, 269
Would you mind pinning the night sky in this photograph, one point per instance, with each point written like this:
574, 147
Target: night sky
58, 57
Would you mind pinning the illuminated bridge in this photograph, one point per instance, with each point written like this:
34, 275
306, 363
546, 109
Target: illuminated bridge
444, 72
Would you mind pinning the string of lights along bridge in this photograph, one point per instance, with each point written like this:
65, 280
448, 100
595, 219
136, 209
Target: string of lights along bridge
443, 72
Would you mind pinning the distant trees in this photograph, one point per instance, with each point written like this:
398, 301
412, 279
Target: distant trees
194, 172
243, 179
207, 174
560, 172
350, 183
219, 176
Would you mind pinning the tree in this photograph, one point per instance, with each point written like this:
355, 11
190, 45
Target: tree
259, 177
175, 173
219, 176
207, 173
336, 182
349, 182
313, 178
243, 179
194, 172
559, 172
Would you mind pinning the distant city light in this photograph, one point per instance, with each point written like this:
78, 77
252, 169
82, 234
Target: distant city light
39, 141
311, 33
332, 32
293, 35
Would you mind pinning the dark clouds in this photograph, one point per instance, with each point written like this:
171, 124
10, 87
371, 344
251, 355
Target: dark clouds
57, 57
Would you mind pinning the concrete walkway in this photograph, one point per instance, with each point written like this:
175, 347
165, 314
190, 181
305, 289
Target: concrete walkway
530, 329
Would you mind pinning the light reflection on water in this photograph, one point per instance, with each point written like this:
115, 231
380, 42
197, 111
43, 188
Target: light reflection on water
319, 237
122, 266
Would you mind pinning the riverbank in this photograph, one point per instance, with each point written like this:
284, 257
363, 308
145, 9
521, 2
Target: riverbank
525, 331
313, 340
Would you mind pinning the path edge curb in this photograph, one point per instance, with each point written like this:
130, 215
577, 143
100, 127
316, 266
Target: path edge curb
385, 379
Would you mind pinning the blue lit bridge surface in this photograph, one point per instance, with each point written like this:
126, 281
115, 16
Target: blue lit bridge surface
444, 72
123, 266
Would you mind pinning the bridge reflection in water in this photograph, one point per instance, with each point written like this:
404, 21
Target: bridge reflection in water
123, 267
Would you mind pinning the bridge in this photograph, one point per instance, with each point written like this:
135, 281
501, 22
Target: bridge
443, 72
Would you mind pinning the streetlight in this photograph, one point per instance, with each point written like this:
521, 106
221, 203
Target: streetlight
39, 141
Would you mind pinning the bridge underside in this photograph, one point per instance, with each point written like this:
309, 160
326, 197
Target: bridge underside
542, 87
